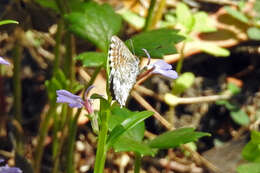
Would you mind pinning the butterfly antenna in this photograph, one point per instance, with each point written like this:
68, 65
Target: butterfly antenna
132, 45
148, 55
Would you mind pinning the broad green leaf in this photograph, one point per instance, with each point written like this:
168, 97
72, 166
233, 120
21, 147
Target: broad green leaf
92, 59
157, 42
249, 168
251, 151
183, 82
132, 18
175, 138
126, 125
237, 14
240, 117
233, 88
253, 33
202, 23
96, 23
184, 16
121, 114
126, 143
214, 50
4, 22
255, 137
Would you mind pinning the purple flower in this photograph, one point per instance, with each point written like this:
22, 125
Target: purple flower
75, 101
160, 67
163, 68
7, 169
3, 61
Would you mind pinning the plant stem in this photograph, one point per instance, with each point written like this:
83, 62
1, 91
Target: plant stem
149, 17
17, 84
180, 62
71, 142
158, 15
101, 148
57, 46
69, 61
40, 141
137, 162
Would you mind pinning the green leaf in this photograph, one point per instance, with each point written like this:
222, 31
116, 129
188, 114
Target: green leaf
251, 151
126, 125
233, 88
249, 168
253, 33
121, 114
96, 23
183, 82
92, 59
132, 18
4, 22
237, 14
227, 104
202, 23
255, 137
184, 16
175, 138
48, 4
157, 42
126, 143
214, 50
240, 117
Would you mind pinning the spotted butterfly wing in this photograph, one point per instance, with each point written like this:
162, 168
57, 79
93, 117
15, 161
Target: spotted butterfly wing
124, 68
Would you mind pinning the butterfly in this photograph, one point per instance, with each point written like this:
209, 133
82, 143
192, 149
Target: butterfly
124, 69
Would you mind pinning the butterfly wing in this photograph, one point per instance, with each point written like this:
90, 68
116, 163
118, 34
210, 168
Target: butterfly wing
124, 68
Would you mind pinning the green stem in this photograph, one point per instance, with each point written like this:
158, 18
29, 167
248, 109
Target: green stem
180, 62
18, 93
17, 82
40, 141
57, 46
69, 61
149, 17
71, 142
137, 162
57, 146
158, 15
101, 148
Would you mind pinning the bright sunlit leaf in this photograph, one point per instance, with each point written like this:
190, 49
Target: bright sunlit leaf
4, 22
92, 59
237, 14
157, 42
175, 138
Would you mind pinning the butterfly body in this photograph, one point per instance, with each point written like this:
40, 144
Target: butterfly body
124, 69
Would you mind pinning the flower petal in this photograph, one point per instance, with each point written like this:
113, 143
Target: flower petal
73, 100
7, 169
162, 65
3, 61
165, 69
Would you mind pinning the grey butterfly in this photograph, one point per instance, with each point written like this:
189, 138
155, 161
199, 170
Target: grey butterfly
124, 69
